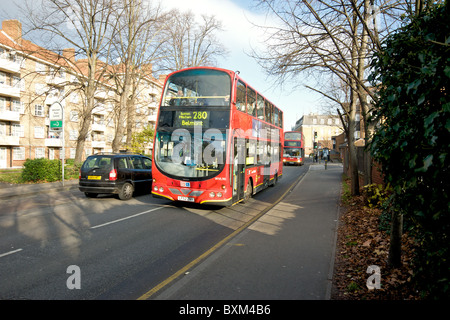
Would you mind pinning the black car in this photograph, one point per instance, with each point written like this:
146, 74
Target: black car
115, 173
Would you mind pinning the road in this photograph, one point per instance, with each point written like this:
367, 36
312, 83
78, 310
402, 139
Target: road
122, 249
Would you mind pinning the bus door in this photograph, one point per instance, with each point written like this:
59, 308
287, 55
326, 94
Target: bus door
238, 168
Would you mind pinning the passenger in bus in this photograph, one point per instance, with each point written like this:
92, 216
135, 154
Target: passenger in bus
217, 100
178, 100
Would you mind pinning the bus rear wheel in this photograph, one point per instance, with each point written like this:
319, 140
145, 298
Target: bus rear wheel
248, 192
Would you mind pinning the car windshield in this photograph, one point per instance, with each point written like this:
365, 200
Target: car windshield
98, 162
198, 87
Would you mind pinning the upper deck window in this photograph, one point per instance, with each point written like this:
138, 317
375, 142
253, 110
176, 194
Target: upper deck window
198, 87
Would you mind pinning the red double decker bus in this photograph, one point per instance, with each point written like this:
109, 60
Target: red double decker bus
293, 148
217, 140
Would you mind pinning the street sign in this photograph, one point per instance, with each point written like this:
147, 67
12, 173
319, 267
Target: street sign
56, 117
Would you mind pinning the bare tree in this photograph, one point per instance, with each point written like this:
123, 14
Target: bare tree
84, 25
136, 47
191, 43
335, 37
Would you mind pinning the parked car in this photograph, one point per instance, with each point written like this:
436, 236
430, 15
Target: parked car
115, 173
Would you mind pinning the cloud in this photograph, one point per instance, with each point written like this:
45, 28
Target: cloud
238, 30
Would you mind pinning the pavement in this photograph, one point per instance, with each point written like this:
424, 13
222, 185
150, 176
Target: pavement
8, 190
287, 254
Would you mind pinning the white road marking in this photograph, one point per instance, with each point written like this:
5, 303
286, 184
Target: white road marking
10, 252
118, 220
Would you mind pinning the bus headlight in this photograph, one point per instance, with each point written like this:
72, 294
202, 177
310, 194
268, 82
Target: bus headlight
155, 188
161, 189
211, 194
219, 194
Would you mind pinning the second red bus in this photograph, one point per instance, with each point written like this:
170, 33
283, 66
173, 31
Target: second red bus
293, 148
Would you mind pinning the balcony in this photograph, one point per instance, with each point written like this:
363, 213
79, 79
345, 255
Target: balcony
53, 142
99, 109
7, 140
152, 118
51, 99
102, 95
9, 91
9, 66
98, 127
98, 144
7, 115
55, 81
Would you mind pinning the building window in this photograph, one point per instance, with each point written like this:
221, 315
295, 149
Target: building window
41, 68
19, 153
2, 104
74, 98
18, 130
38, 110
73, 135
17, 106
39, 88
74, 116
39, 132
2, 78
39, 153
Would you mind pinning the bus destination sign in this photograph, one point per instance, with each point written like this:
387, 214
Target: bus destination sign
189, 119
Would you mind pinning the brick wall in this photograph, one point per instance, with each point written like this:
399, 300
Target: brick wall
377, 175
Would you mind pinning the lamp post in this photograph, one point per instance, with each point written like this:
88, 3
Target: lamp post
56, 115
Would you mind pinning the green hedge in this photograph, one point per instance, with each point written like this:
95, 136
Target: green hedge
41, 170
411, 143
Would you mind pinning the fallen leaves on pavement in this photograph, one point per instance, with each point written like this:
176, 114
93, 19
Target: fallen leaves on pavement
360, 244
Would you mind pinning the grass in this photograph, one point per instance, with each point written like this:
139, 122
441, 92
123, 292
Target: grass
346, 193
11, 176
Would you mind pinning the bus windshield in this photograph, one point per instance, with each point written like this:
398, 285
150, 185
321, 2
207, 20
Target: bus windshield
292, 152
186, 154
198, 87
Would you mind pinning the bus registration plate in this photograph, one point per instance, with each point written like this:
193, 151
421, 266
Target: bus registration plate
181, 198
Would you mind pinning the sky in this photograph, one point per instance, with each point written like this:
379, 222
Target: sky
239, 37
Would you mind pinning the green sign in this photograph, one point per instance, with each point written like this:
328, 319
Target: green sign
55, 124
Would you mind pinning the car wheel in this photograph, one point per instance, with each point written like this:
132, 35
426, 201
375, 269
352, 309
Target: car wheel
126, 192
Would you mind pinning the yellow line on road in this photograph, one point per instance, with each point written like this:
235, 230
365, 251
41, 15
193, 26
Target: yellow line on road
194, 262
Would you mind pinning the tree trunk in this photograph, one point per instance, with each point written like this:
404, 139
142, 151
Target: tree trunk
85, 120
395, 247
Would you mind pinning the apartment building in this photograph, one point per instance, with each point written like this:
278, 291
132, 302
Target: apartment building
319, 128
32, 79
